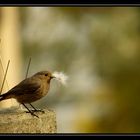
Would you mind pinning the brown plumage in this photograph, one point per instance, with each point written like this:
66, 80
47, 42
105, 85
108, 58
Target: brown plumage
30, 89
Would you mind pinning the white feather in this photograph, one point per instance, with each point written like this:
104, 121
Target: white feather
61, 77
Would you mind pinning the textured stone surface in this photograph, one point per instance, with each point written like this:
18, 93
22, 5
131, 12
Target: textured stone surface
21, 122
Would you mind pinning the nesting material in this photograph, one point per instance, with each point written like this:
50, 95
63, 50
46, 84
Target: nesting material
61, 77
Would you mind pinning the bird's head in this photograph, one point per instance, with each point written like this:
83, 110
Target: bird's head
45, 75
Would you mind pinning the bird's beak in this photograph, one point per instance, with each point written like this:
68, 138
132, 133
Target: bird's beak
52, 77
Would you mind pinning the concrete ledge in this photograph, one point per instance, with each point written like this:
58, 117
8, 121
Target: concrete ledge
22, 122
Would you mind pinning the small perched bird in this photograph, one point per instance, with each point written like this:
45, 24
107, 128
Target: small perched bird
31, 89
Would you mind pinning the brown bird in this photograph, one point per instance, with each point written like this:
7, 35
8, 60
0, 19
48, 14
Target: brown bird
30, 90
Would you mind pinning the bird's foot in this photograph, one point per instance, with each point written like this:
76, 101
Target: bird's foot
36, 110
39, 110
32, 113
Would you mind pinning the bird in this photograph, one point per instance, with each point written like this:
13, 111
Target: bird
30, 90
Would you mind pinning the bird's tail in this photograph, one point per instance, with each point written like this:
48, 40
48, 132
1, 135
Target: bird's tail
4, 96
1, 97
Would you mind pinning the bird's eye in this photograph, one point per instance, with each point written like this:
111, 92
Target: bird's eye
46, 74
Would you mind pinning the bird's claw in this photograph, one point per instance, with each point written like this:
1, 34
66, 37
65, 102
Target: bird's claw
32, 113
37, 110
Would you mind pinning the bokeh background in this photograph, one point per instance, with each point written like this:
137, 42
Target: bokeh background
97, 47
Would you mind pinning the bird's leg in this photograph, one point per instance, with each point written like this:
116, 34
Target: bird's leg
36, 110
29, 110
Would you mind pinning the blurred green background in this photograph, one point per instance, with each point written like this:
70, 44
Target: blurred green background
98, 48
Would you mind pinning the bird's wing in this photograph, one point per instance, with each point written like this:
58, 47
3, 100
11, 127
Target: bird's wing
25, 87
